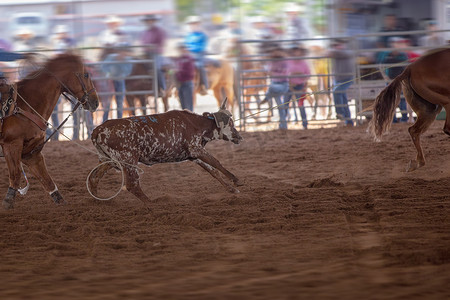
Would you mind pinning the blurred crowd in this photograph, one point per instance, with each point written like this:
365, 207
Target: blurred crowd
287, 65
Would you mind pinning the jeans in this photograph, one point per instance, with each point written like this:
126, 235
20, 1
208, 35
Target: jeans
55, 122
185, 92
297, 91
159, 73
119, 88
276, 90
200, 65
402, 106
341, 101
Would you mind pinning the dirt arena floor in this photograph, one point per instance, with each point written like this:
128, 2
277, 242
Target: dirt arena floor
323, 214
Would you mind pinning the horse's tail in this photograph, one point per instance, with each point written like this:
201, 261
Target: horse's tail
385, 104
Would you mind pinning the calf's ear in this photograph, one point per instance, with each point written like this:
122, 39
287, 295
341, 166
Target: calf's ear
208, 115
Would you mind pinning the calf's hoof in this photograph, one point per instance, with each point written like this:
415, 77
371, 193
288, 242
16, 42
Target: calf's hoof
238, 182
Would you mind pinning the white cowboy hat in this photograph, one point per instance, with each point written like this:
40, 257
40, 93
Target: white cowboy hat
292, 7
259, 19
61, 29
193, 19
230, 19
24, 32
113, 19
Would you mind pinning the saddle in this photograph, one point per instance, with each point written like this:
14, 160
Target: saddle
8, 96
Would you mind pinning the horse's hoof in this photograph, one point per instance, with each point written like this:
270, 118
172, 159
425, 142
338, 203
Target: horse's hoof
57, 198
413, 165
8, 203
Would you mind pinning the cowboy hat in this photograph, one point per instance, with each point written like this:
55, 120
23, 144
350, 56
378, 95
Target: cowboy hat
113, 19
61, 29
193, 19
292, 7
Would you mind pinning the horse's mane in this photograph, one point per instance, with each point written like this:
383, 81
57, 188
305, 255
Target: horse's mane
57, 62
436, 50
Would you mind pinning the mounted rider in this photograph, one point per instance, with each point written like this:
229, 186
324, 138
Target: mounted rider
8, 93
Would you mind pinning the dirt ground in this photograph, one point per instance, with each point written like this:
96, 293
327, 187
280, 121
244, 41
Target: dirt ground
323, 214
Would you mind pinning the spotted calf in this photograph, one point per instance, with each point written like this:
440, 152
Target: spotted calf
173, 136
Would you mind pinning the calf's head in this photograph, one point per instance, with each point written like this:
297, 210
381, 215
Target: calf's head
225, 125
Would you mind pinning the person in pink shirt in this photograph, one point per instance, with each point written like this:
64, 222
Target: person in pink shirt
279, 82
153, 40
299, 74
185, 71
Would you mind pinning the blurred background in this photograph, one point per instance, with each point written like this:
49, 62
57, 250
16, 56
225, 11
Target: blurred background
369, 26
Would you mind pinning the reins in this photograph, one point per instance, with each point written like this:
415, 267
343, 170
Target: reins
32, 117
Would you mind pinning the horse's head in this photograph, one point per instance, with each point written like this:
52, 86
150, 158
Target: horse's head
225, 125
87, 95
75, 79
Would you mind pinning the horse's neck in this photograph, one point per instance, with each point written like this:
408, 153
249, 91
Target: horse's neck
41, 93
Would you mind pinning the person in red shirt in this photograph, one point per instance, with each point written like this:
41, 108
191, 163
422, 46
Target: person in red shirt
185, 71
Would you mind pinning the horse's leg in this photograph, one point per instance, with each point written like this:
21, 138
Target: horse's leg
447, 119
165, 100
426, 114
36, 164
12, 153
133, 186
229, 93
218, 95
143, 103
130, 104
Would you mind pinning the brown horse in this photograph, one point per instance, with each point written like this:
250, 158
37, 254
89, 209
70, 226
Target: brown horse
221, 81
23, 133
425, 86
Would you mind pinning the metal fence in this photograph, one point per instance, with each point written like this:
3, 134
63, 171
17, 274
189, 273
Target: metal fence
251, 85
368, 80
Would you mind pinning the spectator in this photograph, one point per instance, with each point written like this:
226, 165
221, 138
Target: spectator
300, 73
8, 56
112, 35
24, 40
62, 42
296, 27
154, 38
279, 85
432, 39
196, 43
343, 65
390, 25
393, 59
117, 66
185, 71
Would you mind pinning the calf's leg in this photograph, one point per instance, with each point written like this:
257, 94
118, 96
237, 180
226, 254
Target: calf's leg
132, 184
213, 171
212, 161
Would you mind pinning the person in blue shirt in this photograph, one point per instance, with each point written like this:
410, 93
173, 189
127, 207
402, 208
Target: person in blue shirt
117, 66
196, 42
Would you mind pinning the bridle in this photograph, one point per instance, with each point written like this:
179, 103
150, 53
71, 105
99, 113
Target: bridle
86, 94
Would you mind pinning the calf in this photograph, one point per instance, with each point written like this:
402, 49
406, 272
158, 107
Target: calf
173, 136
